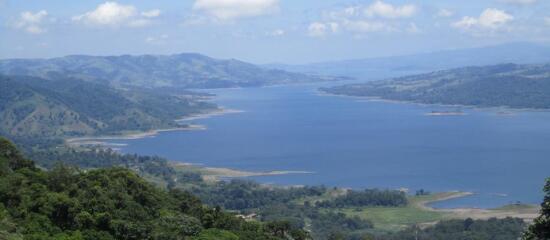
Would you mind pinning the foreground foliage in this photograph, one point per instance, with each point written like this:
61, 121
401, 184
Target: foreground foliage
114, 203
501, 229
541, 228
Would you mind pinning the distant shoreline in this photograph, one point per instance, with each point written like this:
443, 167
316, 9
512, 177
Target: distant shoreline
508, 110
526, 212
101, 140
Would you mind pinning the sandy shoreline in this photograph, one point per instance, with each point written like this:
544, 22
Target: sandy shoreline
218, 112
217, 174
102, 140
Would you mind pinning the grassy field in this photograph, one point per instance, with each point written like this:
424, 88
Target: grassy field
417, 212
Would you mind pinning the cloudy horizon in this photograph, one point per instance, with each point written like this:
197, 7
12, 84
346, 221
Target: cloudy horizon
266, 31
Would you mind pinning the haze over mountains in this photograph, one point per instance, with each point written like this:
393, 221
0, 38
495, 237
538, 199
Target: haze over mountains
176, 71
396, 66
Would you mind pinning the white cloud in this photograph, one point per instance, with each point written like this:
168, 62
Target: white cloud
115, 14
151, 14
318, 29
444, 13
547, 21
32, 22
234, 9
386, 10
377, 16
365, 26
489, 19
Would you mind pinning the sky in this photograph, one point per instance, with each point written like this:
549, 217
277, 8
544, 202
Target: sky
266, 31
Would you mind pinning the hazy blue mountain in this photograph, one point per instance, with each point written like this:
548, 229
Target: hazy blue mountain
516, 86
386, 67
181, 70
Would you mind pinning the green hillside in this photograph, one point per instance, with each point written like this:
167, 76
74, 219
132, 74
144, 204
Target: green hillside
511, 85
114, 203
32, 107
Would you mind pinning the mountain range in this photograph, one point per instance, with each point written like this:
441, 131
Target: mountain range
396, 66
187, 70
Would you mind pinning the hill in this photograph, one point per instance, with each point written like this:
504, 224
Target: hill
109, 204
511, 85
180, 70
37, 108
389, 67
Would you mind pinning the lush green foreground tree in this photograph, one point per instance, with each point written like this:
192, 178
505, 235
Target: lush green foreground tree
114, 203
540, 230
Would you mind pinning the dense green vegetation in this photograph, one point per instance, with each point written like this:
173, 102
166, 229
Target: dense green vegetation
541, 227
368, 197
322, 222
113, 203
501, 229
511, 85
32, 108
180, 71
242, 194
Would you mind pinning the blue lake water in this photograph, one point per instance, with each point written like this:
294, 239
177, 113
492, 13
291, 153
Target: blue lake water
350, 142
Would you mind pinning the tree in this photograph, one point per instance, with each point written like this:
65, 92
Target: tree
540, 230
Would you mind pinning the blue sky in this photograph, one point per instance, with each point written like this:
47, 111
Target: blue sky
266, 31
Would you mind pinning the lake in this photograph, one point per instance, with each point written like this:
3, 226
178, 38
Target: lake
351, 142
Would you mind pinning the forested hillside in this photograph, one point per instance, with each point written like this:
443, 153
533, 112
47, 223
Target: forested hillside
511, 85
112, 203
180, 70
37, 108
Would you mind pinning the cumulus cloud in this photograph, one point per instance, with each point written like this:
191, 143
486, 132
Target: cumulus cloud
114, 14
319, 29
151, 14
32, 22
377, 16
386, 10
490, 19
234, 9
365, 26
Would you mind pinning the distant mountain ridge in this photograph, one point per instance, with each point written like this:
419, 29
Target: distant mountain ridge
397, 66
509, 85
188, 70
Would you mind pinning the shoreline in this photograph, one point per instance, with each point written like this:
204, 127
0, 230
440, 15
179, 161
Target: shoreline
102, 140
507, 110
527, 212
206, 115
215, 174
